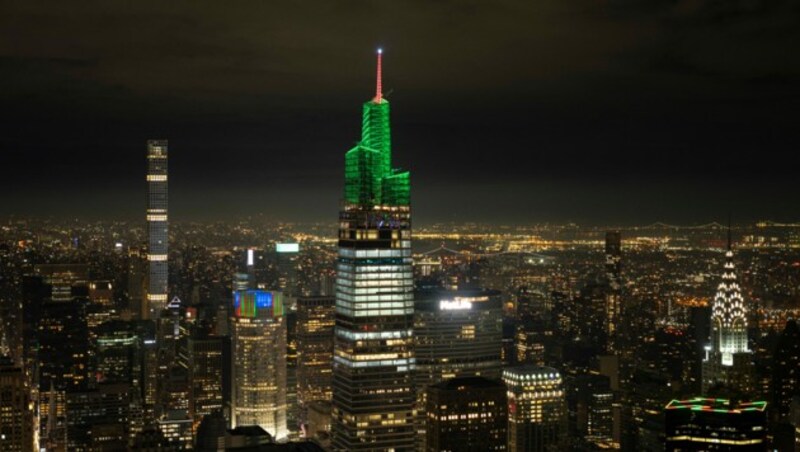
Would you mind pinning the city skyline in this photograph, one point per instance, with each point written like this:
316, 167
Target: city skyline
561, 280
519, 118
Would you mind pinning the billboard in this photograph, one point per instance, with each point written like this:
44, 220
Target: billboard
287, 247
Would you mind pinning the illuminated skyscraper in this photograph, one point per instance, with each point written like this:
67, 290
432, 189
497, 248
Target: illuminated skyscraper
373, 397
286, 258
728, 360
157, 226
457, 333
258, 329
206, 368
315, 321
537, 411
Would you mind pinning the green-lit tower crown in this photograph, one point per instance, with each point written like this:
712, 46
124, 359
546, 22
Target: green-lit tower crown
369, 176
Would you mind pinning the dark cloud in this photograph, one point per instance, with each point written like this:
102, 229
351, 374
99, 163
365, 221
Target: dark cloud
550, 103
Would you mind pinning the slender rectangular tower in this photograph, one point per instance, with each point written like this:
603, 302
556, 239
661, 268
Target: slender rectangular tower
157, 226
373, 397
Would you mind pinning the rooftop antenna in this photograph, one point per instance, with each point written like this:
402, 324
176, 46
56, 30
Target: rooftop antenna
378, 88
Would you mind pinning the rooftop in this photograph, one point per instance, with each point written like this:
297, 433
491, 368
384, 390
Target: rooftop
715, 405
462, 383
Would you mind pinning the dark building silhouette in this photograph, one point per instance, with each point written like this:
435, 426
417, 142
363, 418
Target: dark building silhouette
315, 320
466, 414
99, 418
590, 401
715, 424
16, 415
786, 371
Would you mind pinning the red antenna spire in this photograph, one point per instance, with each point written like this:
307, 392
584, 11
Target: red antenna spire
378, 95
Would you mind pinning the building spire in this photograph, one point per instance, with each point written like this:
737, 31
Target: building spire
378, 88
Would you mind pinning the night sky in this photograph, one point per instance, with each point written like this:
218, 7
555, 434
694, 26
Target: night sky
612, 112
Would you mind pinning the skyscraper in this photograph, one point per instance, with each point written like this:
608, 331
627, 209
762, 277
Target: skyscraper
786, 371
469, 413
206, 368
258, 329
118, 355
457, 333
99, 418
157, 226
728, 360
315, 321
537, 411
16, 410
373, 397
590, 402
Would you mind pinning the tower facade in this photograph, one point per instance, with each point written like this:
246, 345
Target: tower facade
469, 413
785, 385
373, 397
206, 369
728, 360
16, 415
315, 322
157, 229
457, 333
537, 409
258, 336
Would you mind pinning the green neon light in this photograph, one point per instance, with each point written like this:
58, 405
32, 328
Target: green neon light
369, 176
